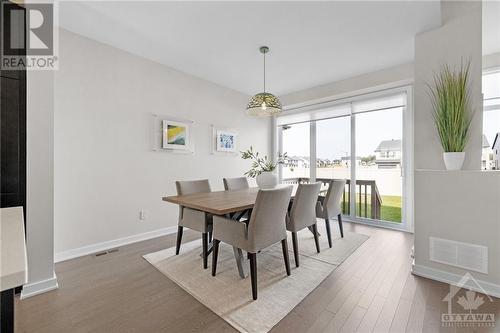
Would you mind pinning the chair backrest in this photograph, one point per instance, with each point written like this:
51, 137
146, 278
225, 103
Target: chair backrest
333, 197
267, 223
303, 212
192, 186
239, 183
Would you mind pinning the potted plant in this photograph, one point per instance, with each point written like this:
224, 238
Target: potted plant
262, 169
452, 112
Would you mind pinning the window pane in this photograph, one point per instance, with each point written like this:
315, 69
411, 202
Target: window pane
296, 143
490, 156
333, 153
378, 164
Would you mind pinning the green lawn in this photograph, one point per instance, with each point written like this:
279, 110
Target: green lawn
390, 210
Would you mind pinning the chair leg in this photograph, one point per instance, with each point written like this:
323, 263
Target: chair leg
295, 248
210, 236
214, 256
316, 238
284, 247
179, 240
204, 240
328, 233
340, 225
253, 274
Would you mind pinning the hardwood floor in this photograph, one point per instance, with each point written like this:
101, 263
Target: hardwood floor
372, 290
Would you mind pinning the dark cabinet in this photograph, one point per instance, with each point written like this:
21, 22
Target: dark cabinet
12, 131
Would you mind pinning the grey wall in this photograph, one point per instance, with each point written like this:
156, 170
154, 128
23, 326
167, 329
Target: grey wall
463, 205
105, 169
40, 182
459, 39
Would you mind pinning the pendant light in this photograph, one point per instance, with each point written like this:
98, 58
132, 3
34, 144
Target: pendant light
264, 104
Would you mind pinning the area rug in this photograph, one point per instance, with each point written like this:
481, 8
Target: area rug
230, 297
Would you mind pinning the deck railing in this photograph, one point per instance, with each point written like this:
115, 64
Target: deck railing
368, 200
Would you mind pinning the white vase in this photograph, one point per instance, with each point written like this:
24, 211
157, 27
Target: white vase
454, 161
267, 180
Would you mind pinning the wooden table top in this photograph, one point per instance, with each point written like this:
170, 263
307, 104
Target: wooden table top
218, 202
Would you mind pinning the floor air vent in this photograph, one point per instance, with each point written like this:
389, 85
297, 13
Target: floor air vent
98, 254
468, 256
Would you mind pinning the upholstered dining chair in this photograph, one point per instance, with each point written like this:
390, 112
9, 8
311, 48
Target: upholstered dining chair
194, 219
303, 215
330, 207
265, 228
239, 183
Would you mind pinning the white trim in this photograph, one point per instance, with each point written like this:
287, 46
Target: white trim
489, 288
40, 287
93, 248
312, 151
376, 223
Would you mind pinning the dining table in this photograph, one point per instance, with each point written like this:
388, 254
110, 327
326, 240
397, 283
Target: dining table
224, 203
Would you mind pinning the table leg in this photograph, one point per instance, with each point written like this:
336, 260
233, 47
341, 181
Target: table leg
7, 311
240, 262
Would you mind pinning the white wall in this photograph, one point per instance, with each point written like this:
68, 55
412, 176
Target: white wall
461, 206
40, 183
464, 205
382, 79
105, 169
433, 49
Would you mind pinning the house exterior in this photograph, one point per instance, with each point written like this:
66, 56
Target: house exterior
297, 162
388, 154
496, 152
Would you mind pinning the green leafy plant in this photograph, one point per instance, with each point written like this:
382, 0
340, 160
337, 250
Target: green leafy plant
450, 95
260, 164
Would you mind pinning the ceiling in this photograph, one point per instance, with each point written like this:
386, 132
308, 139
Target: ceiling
312, 43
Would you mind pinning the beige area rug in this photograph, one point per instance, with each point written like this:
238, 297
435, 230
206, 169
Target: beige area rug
230, 297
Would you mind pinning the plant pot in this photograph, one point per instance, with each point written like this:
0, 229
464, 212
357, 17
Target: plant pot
267, 180
454, 161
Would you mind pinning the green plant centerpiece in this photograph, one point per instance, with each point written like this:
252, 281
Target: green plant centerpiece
452, 111
262, 168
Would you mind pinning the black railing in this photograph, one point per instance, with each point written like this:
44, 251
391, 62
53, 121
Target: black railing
362, 193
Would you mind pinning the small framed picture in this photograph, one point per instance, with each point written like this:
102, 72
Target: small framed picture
226, 141
176, 135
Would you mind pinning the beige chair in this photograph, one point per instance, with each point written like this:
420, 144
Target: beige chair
239, 183
194, 219
266, 227
331, 206
303, 215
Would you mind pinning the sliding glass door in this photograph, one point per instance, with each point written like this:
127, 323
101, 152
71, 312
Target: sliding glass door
379, 178
362, 140
333, 153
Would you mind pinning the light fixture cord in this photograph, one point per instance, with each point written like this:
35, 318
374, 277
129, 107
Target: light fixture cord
264, 72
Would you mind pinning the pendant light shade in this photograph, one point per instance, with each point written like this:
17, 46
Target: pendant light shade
264, 104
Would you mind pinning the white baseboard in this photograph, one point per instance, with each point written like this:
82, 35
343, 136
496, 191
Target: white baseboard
35, 288
489, 288
93, 248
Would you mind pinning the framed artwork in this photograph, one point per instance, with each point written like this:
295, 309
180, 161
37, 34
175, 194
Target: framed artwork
226, 141
176, 135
